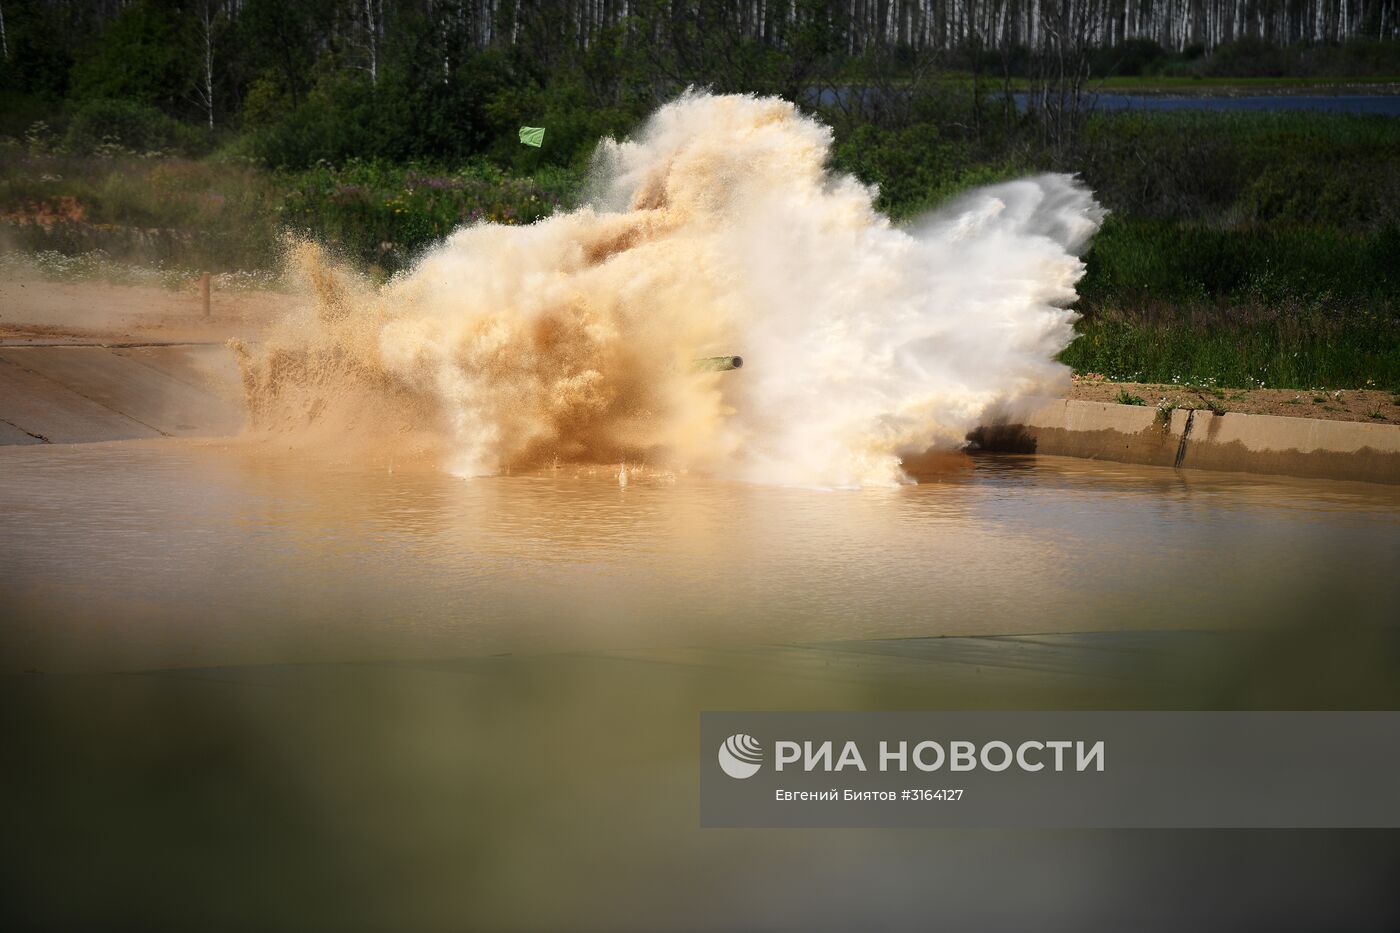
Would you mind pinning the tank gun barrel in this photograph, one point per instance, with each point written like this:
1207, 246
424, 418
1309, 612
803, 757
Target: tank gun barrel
717, 364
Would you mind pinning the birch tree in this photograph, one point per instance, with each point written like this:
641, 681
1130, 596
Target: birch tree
208, 14
374, 32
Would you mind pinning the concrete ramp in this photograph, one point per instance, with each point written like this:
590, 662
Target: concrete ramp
68, 394
11, 435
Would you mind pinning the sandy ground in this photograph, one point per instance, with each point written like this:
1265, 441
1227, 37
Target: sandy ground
37, 312
1379, 407
40, 312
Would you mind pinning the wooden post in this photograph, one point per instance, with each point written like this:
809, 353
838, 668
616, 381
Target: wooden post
204, 292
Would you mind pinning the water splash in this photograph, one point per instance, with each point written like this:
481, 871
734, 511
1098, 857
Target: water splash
716, 230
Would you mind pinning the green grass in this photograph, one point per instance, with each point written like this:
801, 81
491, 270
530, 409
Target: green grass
1273, 350
1276, 306
1141, 260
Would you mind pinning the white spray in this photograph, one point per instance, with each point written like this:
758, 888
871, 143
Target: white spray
716, 230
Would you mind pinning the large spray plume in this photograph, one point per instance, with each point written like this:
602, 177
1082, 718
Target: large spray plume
716, 230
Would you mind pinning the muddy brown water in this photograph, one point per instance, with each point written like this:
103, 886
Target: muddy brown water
509, 738
145, 555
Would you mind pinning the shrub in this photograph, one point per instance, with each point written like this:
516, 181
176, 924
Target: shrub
385, 215
917, 167
102, 125
1247, 57
1309, 168
1130, 58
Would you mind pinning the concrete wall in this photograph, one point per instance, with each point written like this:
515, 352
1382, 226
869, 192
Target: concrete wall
1202, 440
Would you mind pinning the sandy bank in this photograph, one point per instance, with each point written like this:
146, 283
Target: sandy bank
37, 311
1324, 403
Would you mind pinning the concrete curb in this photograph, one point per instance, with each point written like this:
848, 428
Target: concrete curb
1202, 440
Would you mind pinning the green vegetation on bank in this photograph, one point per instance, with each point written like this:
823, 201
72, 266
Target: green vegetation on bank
1188, 302
384, 215
1243, 249
206, 214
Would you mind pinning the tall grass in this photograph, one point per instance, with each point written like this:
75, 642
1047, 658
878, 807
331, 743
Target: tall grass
170, 211
228, 215
1240, 347
386, 215
1246, 249
1139, 260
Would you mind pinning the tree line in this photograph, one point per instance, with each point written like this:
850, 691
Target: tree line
452, 65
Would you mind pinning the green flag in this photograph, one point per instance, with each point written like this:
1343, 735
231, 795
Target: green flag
532, 136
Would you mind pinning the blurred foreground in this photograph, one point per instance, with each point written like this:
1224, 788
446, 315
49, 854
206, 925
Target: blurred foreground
277, 691
560, 792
